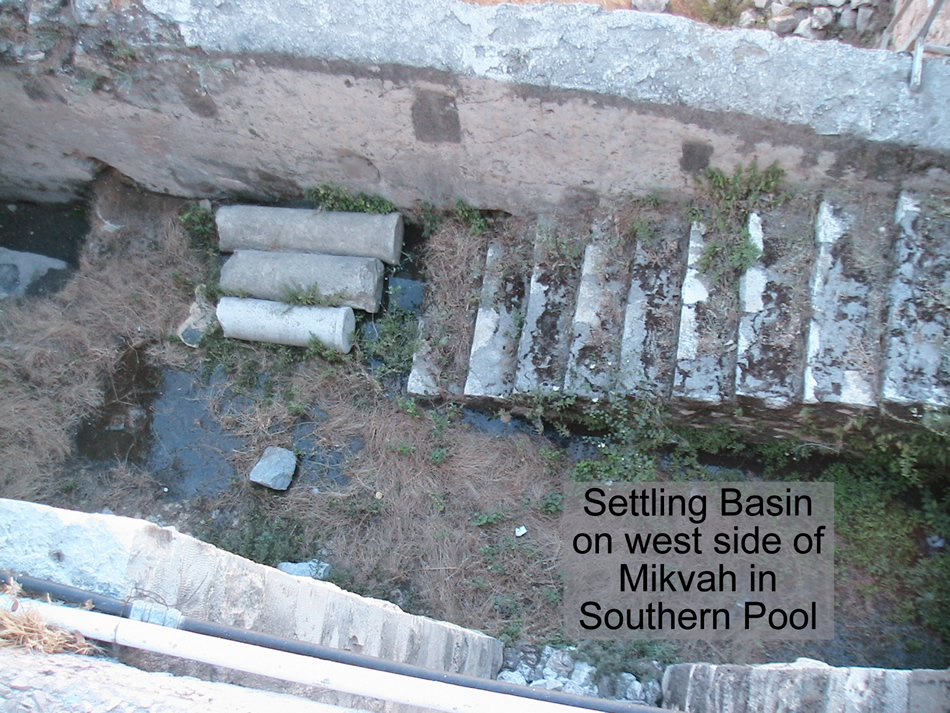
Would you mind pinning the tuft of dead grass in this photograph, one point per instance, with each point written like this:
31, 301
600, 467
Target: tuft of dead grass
58, 352
28, 630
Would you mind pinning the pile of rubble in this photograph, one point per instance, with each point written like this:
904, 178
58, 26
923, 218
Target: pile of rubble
557, 670
817, 21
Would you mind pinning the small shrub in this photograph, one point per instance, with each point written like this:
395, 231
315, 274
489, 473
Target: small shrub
471, 216
397, 335
337, 198
200, 228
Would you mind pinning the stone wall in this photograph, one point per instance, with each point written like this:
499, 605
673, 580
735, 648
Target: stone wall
520, 108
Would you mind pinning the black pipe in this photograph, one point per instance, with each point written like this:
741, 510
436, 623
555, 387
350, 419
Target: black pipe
117, 607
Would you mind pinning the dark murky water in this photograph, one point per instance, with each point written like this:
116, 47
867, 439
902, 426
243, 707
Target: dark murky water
159, 419
54, 230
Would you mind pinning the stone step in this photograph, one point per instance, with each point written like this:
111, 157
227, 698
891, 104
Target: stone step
706, 350
774, 299
843, 355
652, 315
597, 329
917, 366
493, 359
545, 338
424, 376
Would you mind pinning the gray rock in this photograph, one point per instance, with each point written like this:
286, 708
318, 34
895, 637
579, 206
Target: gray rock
635, 691
778, 8
9, 278
783, 24
275, 469
560, 663
821, 17
749, 18
583, 674
863, 23
578, 690
762, 4
311, 568
20, 270
653, 691
548, 684
515, 677
651, 5
805, 29
848, 18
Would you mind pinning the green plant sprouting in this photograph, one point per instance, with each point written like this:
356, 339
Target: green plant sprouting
329, 196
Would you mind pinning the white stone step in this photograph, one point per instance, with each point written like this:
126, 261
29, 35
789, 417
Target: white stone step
545, 338
773, 302
842, 358
917, 368
651, 318
424, 376
596, 332
493, 359
705, 354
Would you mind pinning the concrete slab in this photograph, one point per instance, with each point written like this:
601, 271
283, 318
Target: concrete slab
424, 376
651, 318
123, 557
705, 354
545, 339
804, 685
773, 300
32, 680
597, 330
917, 366
492, 363
842, 359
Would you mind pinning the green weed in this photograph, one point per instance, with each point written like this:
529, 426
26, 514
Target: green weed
337, 198
471, 217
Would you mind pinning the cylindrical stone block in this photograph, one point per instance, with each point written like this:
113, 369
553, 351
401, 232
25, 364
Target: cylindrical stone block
250, 227
329, 280
278, 323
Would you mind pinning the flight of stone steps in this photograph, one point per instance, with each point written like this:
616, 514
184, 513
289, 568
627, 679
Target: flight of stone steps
847, 308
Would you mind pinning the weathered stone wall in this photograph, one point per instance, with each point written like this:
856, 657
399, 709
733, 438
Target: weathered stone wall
512, 107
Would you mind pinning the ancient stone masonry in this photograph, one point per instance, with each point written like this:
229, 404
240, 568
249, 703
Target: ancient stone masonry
517, 108
844, 311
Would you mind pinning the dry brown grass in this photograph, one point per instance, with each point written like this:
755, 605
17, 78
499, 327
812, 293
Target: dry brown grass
454, 260
406, 528
58, 352
28, 630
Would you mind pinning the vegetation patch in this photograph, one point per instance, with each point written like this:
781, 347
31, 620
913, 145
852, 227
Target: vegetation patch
328, 196
727, 200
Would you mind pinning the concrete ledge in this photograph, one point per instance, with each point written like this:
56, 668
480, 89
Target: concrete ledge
648, 58
124, 558
805, 685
